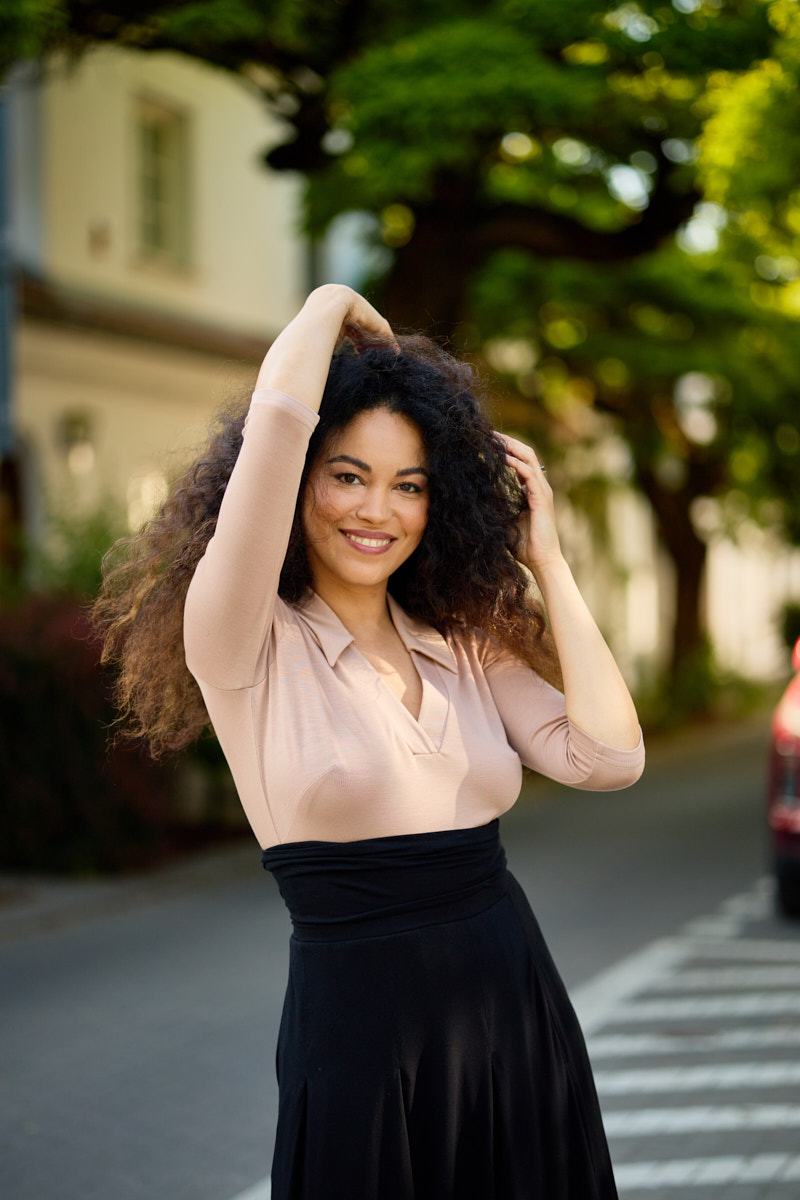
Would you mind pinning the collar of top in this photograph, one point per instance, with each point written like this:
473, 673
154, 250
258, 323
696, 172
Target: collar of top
333, 637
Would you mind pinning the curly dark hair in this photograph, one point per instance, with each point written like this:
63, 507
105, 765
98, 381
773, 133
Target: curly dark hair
462, 576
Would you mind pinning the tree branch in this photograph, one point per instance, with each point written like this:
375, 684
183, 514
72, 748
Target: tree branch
555, 235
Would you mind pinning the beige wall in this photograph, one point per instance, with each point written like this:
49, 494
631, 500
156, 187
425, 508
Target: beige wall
248, 266
147, 407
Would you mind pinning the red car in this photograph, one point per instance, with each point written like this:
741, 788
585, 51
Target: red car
783, 793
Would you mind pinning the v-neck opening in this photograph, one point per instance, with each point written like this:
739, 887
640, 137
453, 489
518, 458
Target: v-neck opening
385, 686
425, 732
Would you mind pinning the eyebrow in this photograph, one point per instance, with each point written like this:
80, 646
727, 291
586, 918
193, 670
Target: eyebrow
362, 466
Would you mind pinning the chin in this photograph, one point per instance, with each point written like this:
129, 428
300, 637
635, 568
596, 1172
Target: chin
364, 574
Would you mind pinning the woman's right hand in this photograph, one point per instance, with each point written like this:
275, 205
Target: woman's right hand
298, 360
361, 323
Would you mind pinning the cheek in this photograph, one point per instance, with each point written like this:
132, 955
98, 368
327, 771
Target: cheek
421, 520
319, 508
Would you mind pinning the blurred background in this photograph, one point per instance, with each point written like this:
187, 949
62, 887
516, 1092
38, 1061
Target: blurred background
598, 205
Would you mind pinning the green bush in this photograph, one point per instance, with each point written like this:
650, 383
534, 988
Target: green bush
72, 804
69, 556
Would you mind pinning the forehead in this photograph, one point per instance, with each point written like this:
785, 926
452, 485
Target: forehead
380, 435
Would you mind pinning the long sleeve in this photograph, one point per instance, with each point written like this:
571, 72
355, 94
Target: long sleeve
231, 600
538, 728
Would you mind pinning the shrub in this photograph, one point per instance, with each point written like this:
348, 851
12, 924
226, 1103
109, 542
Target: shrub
72, 803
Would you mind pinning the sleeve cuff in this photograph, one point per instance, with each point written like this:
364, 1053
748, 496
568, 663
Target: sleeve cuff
611, 755
273, 398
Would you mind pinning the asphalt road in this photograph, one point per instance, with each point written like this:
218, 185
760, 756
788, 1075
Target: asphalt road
138, 1046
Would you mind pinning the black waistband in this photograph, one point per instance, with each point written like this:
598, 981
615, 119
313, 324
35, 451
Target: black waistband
337, 890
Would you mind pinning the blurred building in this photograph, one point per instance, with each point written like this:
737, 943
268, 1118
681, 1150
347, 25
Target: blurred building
155, 256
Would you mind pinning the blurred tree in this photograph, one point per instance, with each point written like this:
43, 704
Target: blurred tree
612, 191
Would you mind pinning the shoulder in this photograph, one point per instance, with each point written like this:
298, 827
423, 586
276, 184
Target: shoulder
477, 644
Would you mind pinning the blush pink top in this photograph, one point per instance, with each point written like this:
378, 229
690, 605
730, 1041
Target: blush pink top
319, 746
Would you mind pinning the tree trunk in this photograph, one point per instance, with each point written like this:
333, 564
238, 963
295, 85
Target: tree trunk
688, 552
428, 283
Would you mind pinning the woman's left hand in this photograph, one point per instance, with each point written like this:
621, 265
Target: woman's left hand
539, 545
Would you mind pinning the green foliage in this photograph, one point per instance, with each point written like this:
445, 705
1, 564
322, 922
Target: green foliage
448, 91
76, 545
619, 344
29, 26
702, 691
67, 557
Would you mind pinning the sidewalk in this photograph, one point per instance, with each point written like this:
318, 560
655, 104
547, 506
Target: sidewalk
36, 904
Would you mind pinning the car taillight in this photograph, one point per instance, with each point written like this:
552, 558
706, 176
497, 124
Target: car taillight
784, 791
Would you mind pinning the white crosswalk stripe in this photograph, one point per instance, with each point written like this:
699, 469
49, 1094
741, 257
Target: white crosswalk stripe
751, 1004
697, 1172
750, 949
695, 1079
701, 1119
630, 1045
720, 979
259, 1191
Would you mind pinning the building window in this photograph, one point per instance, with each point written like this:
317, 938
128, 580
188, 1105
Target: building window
162, 136
75, 436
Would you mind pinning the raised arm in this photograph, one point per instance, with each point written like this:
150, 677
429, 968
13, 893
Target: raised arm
298, 360
597, 699
231, 600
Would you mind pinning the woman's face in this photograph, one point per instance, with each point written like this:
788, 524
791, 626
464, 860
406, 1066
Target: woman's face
365, 505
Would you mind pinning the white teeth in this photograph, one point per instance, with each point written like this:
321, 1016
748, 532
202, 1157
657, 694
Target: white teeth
363, 541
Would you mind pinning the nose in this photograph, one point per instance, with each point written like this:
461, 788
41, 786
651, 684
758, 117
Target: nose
374, 505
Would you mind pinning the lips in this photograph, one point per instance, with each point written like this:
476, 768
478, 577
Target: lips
366, 541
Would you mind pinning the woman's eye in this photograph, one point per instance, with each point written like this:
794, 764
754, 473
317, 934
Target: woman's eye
346, 477
411, 487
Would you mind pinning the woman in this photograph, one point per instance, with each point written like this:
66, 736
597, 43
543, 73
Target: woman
359, 622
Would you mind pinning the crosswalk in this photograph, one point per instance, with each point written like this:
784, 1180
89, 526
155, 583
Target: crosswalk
695, 1044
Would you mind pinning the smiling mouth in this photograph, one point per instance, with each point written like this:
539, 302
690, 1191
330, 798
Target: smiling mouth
369, 543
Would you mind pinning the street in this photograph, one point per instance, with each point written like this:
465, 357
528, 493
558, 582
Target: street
138, 1045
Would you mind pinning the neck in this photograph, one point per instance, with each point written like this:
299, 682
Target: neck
361, 610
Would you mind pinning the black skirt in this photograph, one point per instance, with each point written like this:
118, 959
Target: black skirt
427, 1048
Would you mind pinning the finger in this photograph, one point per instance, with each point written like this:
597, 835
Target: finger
363, 337
526, 466
519, 449
363, 317
531, 476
